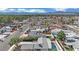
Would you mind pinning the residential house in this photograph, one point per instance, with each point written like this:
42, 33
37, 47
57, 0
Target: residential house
42, 44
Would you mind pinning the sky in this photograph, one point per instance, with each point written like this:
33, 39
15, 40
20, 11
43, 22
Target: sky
39, 10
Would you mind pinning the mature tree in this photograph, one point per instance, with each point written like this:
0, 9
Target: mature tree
60, 35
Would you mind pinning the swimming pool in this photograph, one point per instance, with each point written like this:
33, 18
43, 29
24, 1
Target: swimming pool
53, 47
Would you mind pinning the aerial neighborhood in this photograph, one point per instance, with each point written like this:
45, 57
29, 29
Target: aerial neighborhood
52, 32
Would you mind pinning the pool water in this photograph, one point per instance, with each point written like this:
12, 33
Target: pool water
53, 47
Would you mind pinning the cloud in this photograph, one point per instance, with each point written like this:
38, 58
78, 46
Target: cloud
37, 10
11, 9
21, 10
60, 9
3, 9
7, 9
31, 10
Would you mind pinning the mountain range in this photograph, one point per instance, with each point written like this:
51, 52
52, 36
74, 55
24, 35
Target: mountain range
29, 11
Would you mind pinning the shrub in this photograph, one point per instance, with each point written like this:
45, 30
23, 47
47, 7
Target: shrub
14, 40
30, 38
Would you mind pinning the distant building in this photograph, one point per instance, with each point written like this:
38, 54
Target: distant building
54, 26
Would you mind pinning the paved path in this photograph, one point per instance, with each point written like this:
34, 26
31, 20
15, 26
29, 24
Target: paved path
59, 48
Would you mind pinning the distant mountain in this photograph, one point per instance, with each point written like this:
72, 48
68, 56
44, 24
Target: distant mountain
43, 11
24, 13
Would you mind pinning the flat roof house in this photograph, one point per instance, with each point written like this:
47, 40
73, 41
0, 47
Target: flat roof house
42, 44
34, 33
